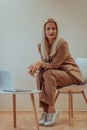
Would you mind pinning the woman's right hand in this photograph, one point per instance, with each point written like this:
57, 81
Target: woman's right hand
32, 69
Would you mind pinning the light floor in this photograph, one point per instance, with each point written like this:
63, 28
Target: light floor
26, 121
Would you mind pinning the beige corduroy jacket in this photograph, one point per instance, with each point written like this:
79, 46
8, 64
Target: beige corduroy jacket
63, 60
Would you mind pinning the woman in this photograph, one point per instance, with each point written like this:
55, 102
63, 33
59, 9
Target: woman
56, 69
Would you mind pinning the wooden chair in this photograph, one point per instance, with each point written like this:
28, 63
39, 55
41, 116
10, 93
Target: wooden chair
75, 89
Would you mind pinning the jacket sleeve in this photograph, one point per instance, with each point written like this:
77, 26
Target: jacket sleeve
58, 59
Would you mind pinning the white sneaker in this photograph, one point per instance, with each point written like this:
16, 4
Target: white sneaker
43, 118
50, 118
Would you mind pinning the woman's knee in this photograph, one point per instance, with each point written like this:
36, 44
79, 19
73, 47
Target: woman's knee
47, 74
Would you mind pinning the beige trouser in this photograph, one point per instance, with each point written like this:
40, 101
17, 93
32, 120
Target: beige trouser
48, 81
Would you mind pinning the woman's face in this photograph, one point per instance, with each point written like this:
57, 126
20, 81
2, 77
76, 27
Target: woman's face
50, 31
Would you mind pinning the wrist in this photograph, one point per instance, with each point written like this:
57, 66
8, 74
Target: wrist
43, 65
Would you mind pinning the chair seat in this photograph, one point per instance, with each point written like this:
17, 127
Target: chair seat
73, 88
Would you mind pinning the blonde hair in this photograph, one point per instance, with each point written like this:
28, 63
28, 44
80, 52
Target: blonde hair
44, 45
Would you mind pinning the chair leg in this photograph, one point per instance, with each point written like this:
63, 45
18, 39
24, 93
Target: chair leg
70, 107
34, 107
84, 96
14, 110
58, 92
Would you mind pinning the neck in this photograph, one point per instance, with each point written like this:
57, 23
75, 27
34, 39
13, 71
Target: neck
51, 41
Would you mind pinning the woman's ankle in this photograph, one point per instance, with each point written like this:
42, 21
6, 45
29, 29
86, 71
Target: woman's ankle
51, 109
45, 109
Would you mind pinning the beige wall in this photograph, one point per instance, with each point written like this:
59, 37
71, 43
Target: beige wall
20, 31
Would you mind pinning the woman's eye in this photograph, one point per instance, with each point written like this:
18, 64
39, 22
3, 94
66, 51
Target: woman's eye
48, 28
53, 28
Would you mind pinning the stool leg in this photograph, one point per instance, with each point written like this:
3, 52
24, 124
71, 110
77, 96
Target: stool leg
34, 107
14, 110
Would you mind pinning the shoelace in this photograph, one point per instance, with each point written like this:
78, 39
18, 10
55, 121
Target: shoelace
49, 117
43, 116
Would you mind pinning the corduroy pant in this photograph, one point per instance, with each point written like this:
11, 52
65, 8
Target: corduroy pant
48, 81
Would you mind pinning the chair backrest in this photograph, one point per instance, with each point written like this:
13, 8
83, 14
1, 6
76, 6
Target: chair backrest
82, 63
6, 82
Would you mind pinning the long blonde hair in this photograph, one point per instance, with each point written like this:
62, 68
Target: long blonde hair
44, 45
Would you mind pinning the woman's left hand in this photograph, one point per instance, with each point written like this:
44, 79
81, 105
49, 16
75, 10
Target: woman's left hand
33, 68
